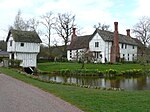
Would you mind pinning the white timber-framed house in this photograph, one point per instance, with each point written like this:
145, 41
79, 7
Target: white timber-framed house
105, 46
24, 46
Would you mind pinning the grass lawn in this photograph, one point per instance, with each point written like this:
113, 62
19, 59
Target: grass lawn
51, 66
90, 100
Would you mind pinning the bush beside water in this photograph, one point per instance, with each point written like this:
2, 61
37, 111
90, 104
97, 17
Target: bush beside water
106, 73
79, 72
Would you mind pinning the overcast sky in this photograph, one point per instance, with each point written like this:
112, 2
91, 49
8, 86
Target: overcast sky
88, 12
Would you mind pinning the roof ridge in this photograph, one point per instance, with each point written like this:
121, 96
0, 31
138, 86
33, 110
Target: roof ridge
85, 35
24, 36
22, 30
113, 32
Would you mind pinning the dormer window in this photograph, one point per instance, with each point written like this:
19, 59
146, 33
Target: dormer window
22, 44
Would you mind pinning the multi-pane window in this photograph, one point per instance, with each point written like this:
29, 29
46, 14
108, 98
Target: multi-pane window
132, 57
96, 44
125, 46
11, 43
128, 57
122, 46
124, 56
96, 54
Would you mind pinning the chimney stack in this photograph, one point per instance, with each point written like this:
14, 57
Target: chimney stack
115, 51
116, 26
73, 34
128, 32
116, 38
74, 31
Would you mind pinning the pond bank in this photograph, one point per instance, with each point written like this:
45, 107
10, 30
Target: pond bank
95, 72
136, 79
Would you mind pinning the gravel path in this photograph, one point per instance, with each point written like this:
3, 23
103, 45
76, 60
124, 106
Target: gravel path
17, 96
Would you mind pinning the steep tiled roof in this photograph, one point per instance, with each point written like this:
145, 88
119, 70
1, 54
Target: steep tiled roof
139, 43
108, 36
80, 42
83, 41
24, 36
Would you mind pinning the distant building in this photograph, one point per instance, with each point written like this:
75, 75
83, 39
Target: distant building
105, 46
4, 54
23, 45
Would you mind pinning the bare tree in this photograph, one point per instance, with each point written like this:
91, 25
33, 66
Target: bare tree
19, 23
64, 25
48, 21
55, 42
33, 24
85, 56
142, 30
102, 26
24, 25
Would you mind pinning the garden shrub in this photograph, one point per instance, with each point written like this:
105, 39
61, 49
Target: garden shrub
111, 72
107, 73
14, 62
81, 72
132, 72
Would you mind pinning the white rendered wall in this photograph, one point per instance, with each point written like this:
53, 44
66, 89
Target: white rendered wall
28, 59
101, 47
128, 52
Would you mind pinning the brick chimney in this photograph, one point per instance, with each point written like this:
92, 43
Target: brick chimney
128, 32
115, 51
116, 26
73, 34
116, 40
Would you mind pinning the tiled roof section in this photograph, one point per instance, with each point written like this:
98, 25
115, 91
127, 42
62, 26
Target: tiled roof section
83, 41
108, 36
139, 43
80, 42
24, 36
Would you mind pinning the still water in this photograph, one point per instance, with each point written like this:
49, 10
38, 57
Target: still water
128, 83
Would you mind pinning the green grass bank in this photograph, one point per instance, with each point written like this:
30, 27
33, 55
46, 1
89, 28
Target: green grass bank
54, 66
91, 69
91, 100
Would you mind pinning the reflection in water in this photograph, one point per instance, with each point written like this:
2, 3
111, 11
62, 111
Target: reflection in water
128, 83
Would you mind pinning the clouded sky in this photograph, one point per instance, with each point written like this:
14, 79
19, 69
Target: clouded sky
88, 12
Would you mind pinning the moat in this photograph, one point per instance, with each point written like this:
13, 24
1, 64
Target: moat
127, 83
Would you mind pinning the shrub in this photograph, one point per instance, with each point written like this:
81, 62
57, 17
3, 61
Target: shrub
14, 62
64, 72
111, 72
81, 72
132, 72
